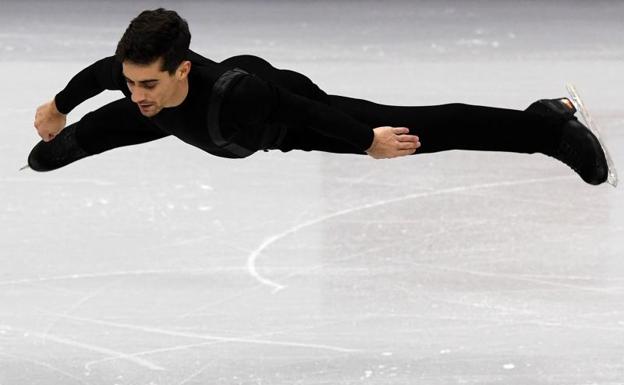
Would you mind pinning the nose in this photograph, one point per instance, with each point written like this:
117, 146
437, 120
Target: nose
137, 96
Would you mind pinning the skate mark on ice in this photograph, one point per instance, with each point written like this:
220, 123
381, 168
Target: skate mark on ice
90, 364
93, 348
119, 273
202, 369
514, 277
256, 287
154, 330
46, 365
76, 306
253, 257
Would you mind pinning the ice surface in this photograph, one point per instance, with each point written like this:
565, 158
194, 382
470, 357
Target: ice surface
159, 264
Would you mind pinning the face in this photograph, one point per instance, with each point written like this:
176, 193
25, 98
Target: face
153, 89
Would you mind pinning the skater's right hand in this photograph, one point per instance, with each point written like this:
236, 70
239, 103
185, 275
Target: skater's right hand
49, 121
391, 142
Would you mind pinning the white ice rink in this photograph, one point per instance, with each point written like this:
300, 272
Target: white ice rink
160, 264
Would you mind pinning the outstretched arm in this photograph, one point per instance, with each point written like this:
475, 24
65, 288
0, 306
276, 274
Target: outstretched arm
257, 101
113, 125
105, 74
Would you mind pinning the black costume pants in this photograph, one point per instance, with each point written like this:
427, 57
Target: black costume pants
441, 127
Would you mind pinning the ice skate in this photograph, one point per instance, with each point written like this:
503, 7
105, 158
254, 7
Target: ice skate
578, 147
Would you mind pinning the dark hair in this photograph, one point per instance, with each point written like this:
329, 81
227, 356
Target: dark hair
155, 34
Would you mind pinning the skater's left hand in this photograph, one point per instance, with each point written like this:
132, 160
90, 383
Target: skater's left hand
392, 142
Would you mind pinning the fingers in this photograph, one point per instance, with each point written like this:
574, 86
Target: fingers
408, 145
400, 151
400, 130
404, 144
402, 135
407, 138
408, 152
407, 142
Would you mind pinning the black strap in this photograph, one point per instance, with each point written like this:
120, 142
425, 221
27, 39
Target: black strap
214, 108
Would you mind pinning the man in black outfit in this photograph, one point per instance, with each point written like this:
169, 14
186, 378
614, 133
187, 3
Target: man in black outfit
243, 104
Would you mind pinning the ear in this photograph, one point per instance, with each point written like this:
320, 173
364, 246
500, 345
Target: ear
183, 69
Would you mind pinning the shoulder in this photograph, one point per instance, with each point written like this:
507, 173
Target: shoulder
250, 63
290, 80
198, 59
206, 72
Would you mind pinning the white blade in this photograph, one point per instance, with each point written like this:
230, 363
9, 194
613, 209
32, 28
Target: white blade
612, 178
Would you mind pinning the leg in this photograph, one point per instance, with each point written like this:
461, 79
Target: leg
460, 126
116, 124
547, 126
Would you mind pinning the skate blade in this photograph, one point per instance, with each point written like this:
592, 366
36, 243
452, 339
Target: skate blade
612, 177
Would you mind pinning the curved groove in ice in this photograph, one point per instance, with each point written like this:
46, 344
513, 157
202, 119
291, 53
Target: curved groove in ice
253, 257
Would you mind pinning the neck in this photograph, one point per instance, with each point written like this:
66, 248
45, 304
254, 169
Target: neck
180, 94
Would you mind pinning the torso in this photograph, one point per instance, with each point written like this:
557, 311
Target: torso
188, 121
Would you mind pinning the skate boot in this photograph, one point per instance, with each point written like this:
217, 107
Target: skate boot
578, 147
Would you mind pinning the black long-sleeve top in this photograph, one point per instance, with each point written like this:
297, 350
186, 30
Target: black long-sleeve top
256, 110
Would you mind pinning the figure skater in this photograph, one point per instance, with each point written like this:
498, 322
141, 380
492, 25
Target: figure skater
244, 104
